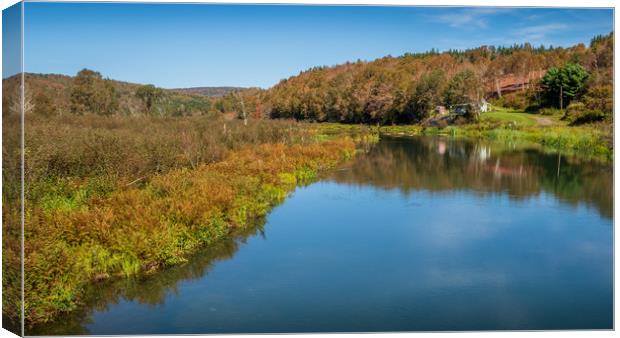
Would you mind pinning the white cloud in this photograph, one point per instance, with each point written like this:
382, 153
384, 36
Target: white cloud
475, 17
537, 33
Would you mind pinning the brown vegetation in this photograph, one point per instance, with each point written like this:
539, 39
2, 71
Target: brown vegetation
113, 195
406, 89
122, 179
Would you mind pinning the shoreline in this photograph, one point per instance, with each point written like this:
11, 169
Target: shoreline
102, 236
174, 207
583, 141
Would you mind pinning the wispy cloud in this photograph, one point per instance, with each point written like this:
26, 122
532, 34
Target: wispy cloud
475, 17
537, 33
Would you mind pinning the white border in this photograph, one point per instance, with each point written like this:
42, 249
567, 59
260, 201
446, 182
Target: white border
494, 3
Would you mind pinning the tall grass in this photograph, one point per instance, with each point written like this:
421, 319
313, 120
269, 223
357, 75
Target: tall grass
11, 221
119, 196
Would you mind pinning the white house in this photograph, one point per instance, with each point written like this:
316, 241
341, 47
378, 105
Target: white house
484, 106
461, 109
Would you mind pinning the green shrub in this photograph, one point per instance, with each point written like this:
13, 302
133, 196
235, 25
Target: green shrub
587, 116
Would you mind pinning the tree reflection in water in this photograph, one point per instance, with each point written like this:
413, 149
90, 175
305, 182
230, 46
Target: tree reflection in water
440, 164
151, 289
435, 164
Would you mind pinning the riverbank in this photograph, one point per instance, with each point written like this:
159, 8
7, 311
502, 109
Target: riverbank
111, 197
588, 140
314, 246
99, 217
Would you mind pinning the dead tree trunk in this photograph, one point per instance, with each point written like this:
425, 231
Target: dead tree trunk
498, 89
244, 114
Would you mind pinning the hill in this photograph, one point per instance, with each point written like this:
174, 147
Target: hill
51, 94
391, 90
209, 91
407, 89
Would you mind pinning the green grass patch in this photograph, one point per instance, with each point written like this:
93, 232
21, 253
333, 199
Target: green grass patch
509, 116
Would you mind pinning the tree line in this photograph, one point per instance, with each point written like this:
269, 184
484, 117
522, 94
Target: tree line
406, 89
88, 92
389, 90
91, 93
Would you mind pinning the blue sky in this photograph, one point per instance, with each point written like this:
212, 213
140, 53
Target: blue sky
11, 40
252, 45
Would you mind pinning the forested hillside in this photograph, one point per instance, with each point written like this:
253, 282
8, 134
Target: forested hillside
125, 179
406, 89
89, 92
390, 90
209, 91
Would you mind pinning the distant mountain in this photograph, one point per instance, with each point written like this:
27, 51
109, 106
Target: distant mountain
209, 91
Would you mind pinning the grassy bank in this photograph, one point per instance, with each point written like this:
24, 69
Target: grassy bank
586, 141
110, 197
114, 197
511, 126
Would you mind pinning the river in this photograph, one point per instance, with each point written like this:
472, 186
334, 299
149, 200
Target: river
418, 234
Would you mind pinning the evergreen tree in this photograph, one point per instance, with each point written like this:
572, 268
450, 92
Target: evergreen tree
561, 85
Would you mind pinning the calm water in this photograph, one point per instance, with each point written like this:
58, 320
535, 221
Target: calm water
418, 234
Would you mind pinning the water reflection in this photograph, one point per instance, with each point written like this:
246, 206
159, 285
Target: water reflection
444, 164
418, 234
150, 290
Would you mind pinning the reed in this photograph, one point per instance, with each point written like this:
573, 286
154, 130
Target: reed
111, 197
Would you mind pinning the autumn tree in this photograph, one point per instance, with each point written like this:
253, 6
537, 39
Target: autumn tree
600, 98
226, 103
601, 52
150, 96
494, 72
404, 89
464, 87
426, 95
43, 105
91, 93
